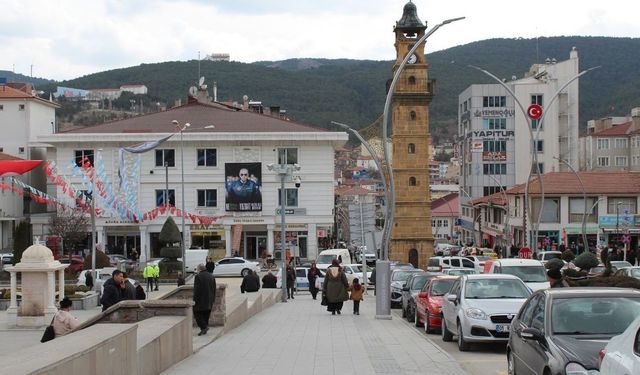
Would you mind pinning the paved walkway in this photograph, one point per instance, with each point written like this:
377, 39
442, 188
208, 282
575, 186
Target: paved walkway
300, 337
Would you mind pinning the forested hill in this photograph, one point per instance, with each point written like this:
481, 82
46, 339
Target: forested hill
317, 91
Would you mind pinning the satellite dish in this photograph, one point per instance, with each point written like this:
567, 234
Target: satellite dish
193, 90
201, 81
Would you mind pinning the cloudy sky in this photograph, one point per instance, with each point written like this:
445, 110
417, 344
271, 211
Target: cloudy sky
66, 39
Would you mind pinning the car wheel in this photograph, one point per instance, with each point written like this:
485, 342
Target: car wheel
463, 346
511, 365
416, 318
404, 312
446, 335
410, 314
427, 327
245, 272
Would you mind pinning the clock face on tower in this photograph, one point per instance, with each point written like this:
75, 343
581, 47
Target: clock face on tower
412, 59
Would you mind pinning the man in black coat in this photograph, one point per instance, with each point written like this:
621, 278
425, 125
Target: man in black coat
113, 290
269, 281
129, 291
204, 295
250, 283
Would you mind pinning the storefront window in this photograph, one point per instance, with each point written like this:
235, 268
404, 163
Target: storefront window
577, 209
295, 243
550, 211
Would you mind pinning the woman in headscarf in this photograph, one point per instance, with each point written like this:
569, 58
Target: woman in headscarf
335, 287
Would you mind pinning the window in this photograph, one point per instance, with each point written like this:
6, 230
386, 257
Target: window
635, 160
291, 196
628, 204
550, 210
494, 123
603, 143
535, 124
603, 161
577, 208
495, 168
489, 190
494, 101
621, 143
21, 107
1, 107
621, 161
527, 311
208, 198
412, 115
165, 156
161, 197
537, 317
536, 99
20, 150
412, 80
494, 146
538, 145
412, 181
412, 148
83, 155
287, 156
207, 157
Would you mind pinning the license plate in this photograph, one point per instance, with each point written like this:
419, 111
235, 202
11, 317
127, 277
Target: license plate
502, 328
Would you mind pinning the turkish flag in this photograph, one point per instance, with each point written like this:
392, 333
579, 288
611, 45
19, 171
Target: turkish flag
10, 168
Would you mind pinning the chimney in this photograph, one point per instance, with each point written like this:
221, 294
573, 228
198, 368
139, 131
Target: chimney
574, 53
635, 118
215, 91
245, 102
178, 102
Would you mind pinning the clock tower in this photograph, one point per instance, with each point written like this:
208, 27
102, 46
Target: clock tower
411, 237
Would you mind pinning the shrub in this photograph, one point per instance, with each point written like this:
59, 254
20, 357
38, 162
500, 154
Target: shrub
102, 260
586, 260
612, 282
573, 273
554, 263
70, 290
568, 255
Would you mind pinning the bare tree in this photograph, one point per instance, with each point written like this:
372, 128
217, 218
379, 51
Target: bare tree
71, 226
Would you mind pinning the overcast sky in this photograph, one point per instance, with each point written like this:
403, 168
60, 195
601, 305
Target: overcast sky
66, 39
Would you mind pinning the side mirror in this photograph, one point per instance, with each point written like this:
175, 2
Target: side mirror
422, 295
452, 298
532, 334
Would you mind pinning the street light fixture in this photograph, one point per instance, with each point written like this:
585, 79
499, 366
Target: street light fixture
283, 171
181, 129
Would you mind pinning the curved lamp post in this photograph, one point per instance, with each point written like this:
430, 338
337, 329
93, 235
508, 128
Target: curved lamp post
534, 139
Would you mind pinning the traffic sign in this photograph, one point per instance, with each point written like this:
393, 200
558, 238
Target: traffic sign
534, 111
525, 253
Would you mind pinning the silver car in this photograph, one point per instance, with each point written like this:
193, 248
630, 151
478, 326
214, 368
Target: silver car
479, 308
399, 277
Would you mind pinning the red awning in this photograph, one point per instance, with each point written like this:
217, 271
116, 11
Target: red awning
10, 168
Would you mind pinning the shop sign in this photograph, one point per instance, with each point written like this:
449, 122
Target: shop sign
321, 233
292, 211
201, 227
494, 113
589, 229
490, 134
613, 220
476, 146
292, 226
494, 156
248, 220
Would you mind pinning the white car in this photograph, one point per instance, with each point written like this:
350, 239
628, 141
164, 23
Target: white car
531, 271
479, 308
354, 271
458, 271
478, 261
235, 266
621, 356
545, 256
302, 282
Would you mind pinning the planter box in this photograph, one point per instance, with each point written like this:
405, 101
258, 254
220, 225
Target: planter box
87, 302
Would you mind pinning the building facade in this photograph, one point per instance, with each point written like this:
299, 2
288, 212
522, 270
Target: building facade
411, 238
231, 197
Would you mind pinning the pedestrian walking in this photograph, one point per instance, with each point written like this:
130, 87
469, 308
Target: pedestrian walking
148, 273
250, 283
112, 292
88, 279
63, 321
291, 282
335, 288
210, 265
312, 275
269, 281
156, 274
204, 295
356, 295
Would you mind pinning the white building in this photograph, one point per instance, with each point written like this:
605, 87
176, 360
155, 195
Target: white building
23, 117
495, 139
219, 144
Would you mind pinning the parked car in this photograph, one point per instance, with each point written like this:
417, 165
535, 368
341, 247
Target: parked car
445, 249
479, 261
396, 264
629, 271
479, 308
622, 353
561, 331
617, 264
76, 263
437, 264
545, 256
597, 270
398, 278
369, 256
324, 259
121, 262
458, 271
302, 282
354, 271
412, 287
6, 259
429, 302
531, 271
235, 266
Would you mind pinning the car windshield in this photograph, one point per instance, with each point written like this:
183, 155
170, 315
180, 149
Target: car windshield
400, 276
495, 288
528, 274
325, 259
635, 272
620, 264
593, 315
418, 282
441, 287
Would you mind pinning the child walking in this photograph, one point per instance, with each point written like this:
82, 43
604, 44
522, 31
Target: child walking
356, 295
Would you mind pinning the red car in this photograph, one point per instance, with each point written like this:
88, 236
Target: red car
429, 302
76, 264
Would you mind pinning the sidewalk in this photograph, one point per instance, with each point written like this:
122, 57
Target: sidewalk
301, 337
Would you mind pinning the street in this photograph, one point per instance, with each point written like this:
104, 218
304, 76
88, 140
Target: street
482, 359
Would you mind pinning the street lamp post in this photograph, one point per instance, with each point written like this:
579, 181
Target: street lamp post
181, 129
584, 198
283, 171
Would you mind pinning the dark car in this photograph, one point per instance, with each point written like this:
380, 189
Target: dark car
410, 290
561, 331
